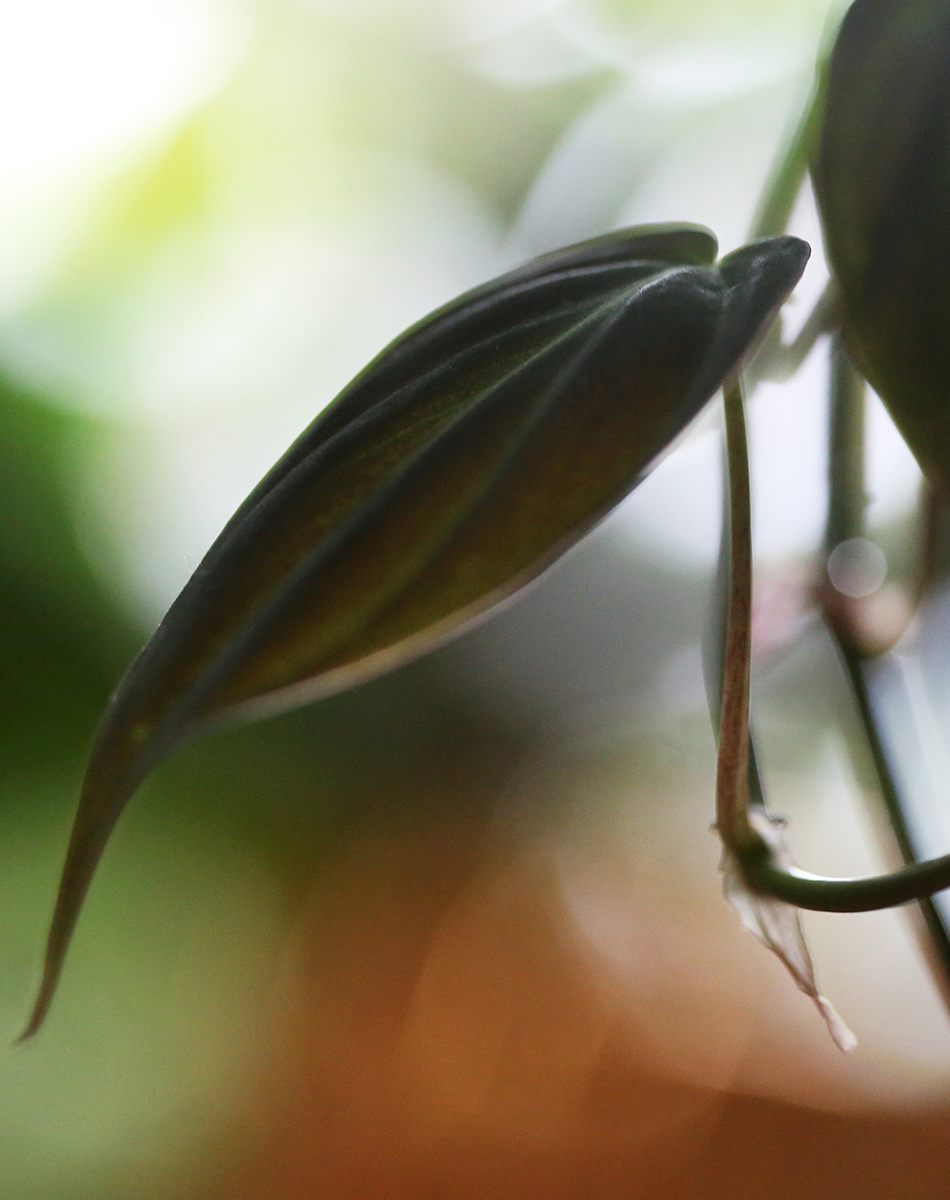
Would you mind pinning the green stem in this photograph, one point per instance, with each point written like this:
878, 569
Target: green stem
847, 496
736, 773
779, 361
788, 173
918, 881
732, 779
847, 504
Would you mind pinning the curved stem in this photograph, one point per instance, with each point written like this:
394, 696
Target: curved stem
756, 859
732, 778
778, 361
819, 893
847, 503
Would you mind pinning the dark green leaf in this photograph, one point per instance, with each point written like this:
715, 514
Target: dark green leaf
882, 179
456, 467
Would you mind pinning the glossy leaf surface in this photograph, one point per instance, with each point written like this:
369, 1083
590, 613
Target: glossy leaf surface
466, 458
882, 180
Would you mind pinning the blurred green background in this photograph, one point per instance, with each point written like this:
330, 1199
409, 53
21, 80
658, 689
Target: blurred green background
212, 214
